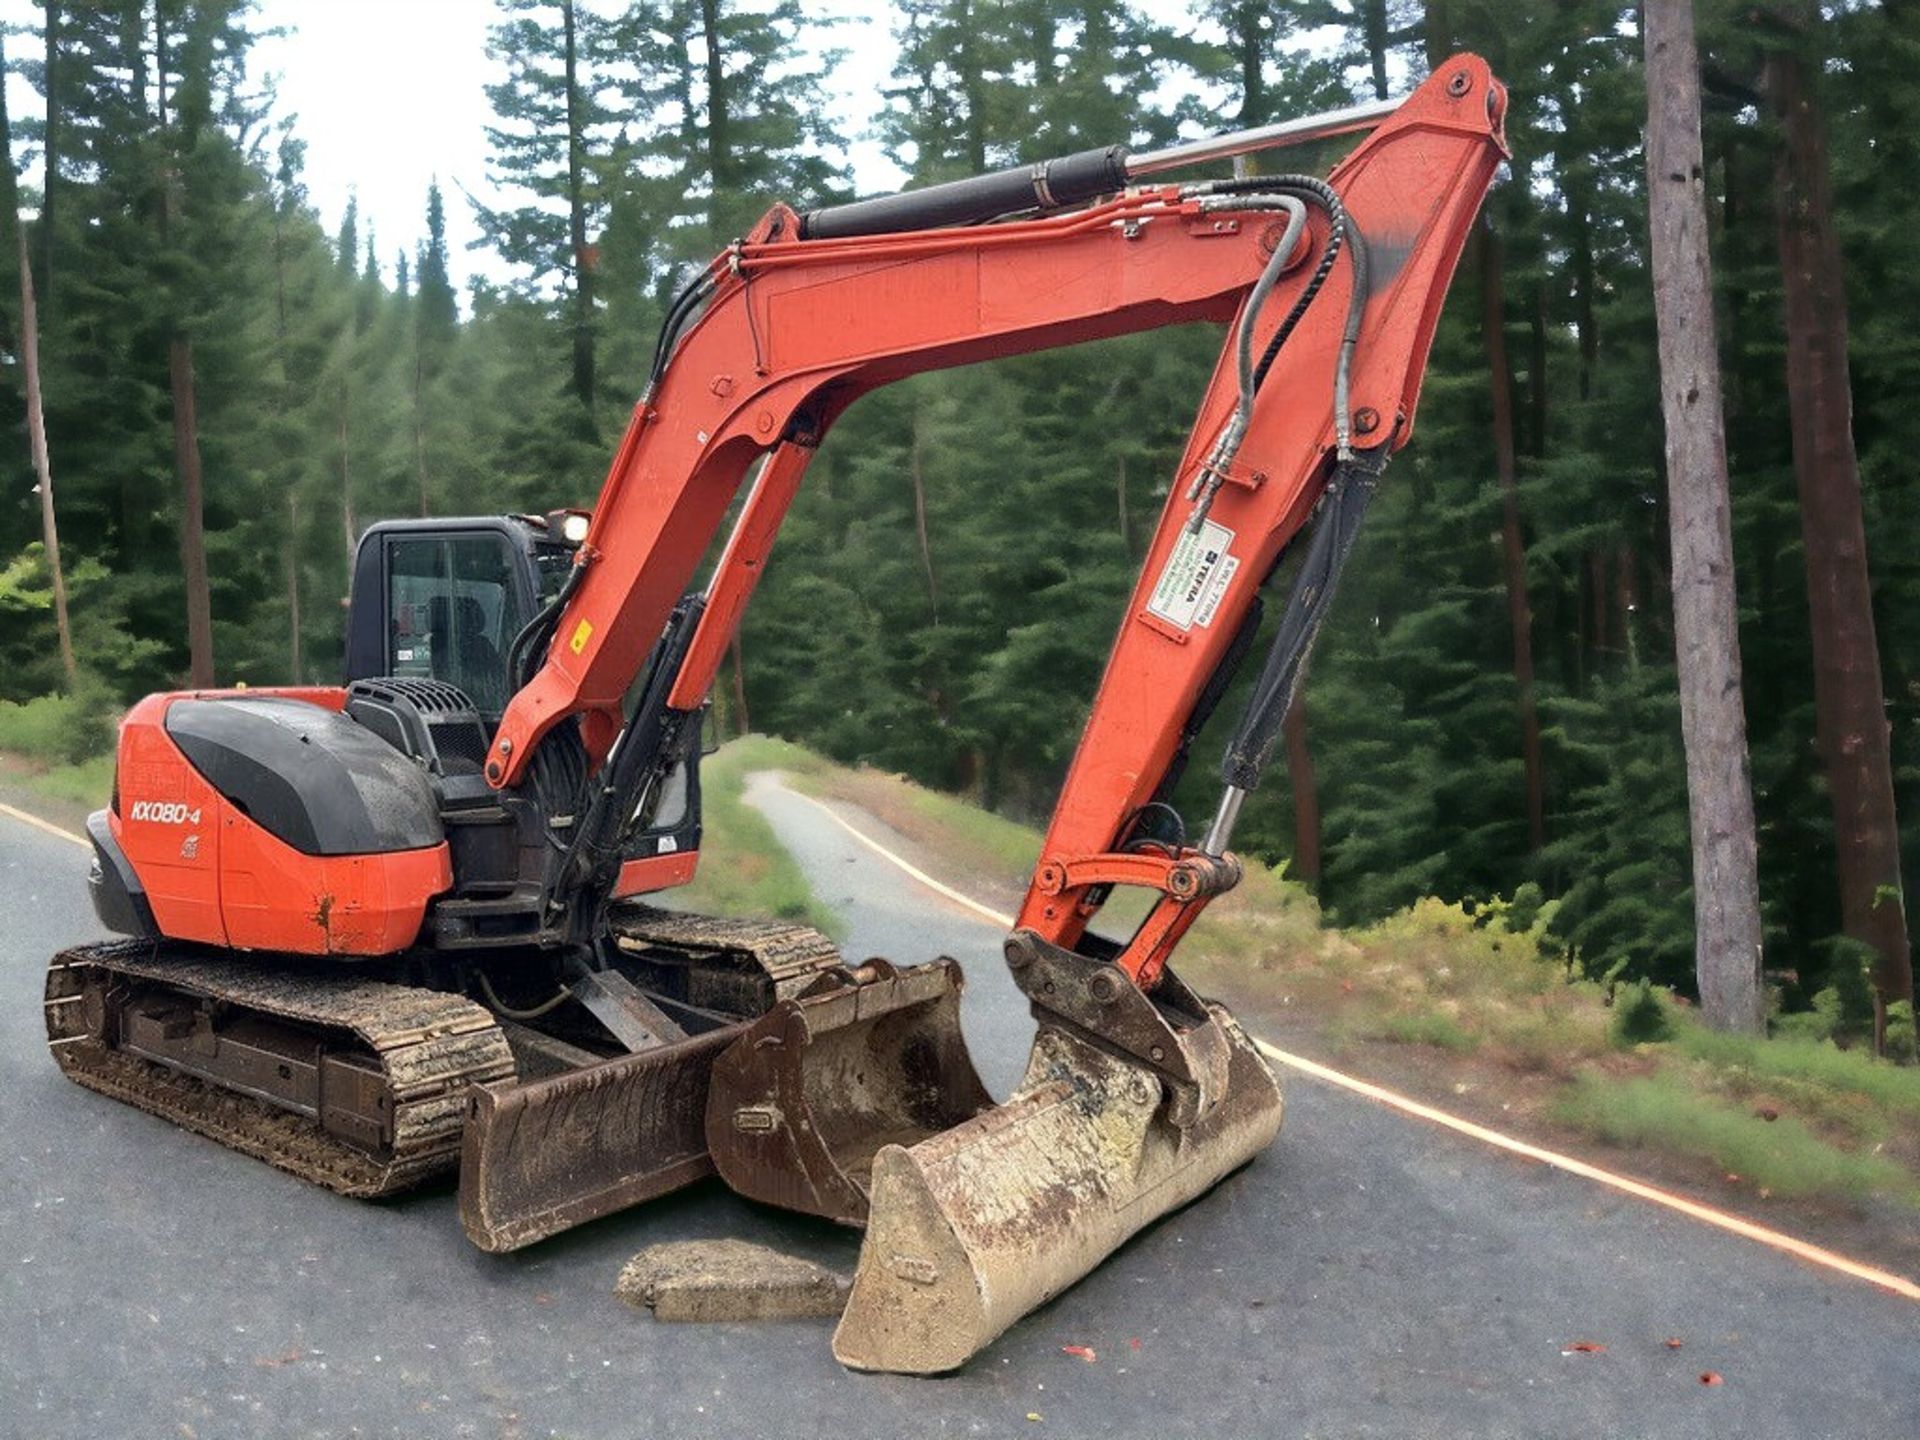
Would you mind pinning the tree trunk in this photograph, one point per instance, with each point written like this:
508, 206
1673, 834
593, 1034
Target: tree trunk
346, 485
1576, 187
1249, 51
51, 177
294, 666
193, 537
42, 466
25, 341
583, 259
1512, 542
1537, 375
740, 716
1626, 602
420, 434
1726, 887
1849, 700
1306, 792
920, 521
1486, 243
1374, 36
719, 126
973, 86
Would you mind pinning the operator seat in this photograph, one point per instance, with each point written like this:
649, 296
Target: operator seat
463, 653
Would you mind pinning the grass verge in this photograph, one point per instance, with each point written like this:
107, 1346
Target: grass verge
1781, 1156
744, 870
62, 793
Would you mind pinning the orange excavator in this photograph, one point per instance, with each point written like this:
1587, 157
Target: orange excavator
378, 931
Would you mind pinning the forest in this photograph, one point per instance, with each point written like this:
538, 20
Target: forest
235, 384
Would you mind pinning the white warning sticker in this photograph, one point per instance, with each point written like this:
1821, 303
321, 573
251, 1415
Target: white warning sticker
1196, 576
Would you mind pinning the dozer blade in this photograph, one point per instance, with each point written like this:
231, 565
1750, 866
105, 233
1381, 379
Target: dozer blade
581, 1137
971, 1229
865, 1059
542, 1156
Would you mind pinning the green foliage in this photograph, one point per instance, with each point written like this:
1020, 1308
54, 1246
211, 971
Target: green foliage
1903, 1035
86, 784
61, 729
1817, 1062
1821, 1020
1431, 1027
1641, 1016
1782, 1155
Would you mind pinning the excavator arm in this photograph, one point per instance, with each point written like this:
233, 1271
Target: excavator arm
784, 331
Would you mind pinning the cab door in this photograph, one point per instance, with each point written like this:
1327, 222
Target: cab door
454, 604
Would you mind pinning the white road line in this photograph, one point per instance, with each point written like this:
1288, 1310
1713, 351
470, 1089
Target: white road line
986, 912
37, 823
1625, 1184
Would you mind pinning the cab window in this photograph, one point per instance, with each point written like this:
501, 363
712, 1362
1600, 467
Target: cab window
452, 612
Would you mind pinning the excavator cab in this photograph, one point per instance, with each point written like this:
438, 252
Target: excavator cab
443, 600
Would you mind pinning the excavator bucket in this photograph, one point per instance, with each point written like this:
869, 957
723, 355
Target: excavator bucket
866, 1059
973, 1228
543, 1155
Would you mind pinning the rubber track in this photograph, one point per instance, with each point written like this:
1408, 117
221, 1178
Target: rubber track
790, 955
431, 1046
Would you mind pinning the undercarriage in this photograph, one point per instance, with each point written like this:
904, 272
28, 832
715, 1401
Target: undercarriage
364, 1085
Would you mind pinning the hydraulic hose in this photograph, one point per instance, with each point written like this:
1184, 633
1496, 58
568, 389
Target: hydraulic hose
1213, 472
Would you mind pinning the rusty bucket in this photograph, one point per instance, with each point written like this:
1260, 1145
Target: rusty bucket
866, 1058
974, 1228
543, 1155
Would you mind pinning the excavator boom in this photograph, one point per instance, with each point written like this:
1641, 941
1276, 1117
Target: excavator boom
783, 332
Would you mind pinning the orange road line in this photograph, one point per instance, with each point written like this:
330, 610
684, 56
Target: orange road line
34, 820
1706, 1214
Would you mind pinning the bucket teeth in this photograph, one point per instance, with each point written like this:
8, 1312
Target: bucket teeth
972, 1229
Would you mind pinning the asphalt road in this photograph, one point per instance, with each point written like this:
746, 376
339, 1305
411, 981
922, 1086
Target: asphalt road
1369, 1276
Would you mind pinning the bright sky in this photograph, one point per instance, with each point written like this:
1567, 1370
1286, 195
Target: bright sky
389, 94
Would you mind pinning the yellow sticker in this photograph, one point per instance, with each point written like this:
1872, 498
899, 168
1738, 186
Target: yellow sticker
582, 633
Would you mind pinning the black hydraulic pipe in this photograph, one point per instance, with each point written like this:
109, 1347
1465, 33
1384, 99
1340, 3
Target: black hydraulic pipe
1049, 185
1334, 530
651, 734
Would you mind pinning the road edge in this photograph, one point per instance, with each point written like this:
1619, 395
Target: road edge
60, 832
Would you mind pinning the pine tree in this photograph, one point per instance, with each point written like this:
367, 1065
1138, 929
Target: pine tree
730, 116
551, 146
348, 242
436, 313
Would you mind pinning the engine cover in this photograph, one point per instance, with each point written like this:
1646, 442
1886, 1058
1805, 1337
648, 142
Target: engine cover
271, 821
